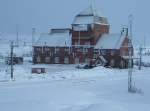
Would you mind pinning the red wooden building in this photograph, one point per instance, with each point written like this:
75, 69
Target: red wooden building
87, 39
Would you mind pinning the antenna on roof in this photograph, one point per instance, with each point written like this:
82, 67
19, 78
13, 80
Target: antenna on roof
92, 4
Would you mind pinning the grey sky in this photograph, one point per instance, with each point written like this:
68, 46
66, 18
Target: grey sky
44, 14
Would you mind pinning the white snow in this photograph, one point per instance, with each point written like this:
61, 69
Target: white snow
84, 20
90, 16
110, 41
18, 51
65, 88
54, 39
90, 11
24, 44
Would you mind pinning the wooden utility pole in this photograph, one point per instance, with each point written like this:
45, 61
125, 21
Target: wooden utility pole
11, 60
140, 59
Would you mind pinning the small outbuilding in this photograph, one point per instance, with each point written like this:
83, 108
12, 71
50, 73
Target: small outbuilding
38, 69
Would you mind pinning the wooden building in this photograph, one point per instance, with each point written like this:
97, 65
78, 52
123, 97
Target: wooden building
87, 39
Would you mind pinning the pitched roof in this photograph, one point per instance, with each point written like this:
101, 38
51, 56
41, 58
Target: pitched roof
110, 41
84, 20
57, 38
89, 16
90, 11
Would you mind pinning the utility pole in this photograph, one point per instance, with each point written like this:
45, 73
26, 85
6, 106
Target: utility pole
130, 64
24, 42
33, 34
140, 59
32, 44
11, 59
79, 37
17, 39
144, 41
79, 42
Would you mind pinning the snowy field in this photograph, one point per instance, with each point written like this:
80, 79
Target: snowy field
65, 88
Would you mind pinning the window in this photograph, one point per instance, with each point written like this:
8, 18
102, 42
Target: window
95, 55
125, 44
87, 60
101, 20
112, 62
56, 60
113, 52
87, 43
66, 49
47, 49
47, 59
66, 60
38, 59
122, 65
76, 43
76, 60
42, 50
56, 50
96, 51
80, 27
124, 53
103, 52
79, 49
38, 49
50, 53
73, 54
85, 50
89, 27
70, 50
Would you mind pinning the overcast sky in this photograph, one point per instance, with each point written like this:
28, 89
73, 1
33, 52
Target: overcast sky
46, 14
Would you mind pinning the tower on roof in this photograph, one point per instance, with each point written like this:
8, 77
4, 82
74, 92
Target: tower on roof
89, 16
88, 25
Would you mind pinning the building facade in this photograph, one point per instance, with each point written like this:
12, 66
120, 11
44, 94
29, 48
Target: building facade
86, 40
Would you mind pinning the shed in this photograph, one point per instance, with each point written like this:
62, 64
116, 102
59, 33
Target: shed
38, 69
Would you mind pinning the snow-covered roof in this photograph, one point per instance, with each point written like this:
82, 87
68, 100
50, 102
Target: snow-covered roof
84, 20
57, 38
90, 16
110, 41
90, 11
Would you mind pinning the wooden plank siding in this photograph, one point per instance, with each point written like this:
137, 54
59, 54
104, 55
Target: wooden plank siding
74, 54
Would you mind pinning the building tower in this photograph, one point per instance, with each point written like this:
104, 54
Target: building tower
88, 26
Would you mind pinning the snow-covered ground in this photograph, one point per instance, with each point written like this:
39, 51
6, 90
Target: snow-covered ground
65, 88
